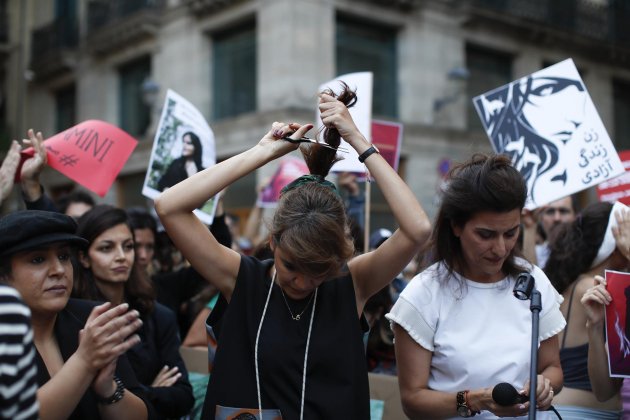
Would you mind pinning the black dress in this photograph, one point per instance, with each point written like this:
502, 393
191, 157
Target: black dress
175, 173
336, 374
67, 326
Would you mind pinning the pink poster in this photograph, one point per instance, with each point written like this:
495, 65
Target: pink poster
618, 188
91, 153
387, 136
617, 323
289, 169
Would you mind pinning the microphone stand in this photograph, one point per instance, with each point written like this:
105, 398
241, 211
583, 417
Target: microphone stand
524, 289
535, 306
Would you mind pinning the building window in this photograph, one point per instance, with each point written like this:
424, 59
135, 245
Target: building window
234, 71
362, 46
134, 113
488, 70
65, 102
621, 104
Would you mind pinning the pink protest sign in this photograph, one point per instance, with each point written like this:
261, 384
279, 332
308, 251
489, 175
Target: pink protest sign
387, 136
289, 169
618, 323
91, 153
617, 189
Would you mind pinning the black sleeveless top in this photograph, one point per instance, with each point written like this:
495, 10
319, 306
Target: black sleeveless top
574, 360
336, 374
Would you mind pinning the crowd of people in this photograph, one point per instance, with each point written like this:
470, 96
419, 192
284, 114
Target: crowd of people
94, 305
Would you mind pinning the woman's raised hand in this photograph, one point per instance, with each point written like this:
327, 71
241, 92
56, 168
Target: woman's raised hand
279, 130
33, 166
621, 232
595, 300
335, 114
107, 334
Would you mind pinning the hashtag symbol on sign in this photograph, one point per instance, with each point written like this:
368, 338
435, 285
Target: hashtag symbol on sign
68, 160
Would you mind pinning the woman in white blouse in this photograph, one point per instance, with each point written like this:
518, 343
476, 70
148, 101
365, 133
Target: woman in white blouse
459, 331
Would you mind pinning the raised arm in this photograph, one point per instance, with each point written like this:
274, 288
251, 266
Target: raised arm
8, 169
217, 263
372, 271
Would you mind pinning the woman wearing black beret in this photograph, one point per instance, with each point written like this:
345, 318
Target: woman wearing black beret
82, 370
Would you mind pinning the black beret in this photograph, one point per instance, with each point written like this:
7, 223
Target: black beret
30, 229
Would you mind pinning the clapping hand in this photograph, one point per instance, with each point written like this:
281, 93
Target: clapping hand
108, 333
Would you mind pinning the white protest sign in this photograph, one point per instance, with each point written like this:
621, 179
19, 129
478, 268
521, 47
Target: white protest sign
547, 123
361, 113
183, 145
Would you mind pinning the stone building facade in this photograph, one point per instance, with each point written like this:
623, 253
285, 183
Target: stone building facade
247, 63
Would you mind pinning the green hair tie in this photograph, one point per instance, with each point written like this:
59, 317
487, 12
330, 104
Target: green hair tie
305, 179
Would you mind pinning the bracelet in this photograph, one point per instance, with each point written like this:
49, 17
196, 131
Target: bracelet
371, 150
473, 412
116, 396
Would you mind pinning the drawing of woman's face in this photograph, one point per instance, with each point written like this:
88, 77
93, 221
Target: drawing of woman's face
188, 149
555, 108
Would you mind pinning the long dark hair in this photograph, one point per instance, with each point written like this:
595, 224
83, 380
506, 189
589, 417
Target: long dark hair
483, 183
310, 222
198, 153
138, 290
575, 245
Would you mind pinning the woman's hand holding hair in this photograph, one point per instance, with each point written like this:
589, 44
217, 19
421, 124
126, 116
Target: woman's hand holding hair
621, 232
595, 300
107, 334
335, 114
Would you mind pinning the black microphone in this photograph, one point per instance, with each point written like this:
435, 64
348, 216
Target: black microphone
505, 394
524, 286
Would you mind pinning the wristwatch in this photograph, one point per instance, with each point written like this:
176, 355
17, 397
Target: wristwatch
368, 152
463, 410
118, 394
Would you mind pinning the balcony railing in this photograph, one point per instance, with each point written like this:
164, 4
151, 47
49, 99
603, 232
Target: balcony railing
102, 12
4, 27
596, 19
53, 47
60, 34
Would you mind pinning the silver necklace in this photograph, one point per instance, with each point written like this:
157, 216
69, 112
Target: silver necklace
298, 316
308, 342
